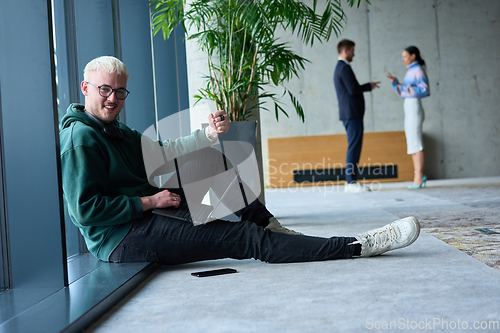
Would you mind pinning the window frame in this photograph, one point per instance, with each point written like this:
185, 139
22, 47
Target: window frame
4, 267
71, 287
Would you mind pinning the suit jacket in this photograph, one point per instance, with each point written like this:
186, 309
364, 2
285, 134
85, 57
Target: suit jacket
349, 92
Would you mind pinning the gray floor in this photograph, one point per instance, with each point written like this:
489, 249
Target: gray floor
429, 286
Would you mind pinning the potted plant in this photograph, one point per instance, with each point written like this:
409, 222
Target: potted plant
244, 56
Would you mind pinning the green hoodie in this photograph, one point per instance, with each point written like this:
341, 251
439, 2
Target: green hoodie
104, 178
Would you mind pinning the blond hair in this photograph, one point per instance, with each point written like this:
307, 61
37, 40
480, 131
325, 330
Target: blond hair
107, 63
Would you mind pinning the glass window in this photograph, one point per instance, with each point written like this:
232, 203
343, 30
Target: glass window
3, 233
67, 92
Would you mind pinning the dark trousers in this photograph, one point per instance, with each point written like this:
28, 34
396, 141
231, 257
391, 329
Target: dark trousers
155, 238
167, 241
354, 129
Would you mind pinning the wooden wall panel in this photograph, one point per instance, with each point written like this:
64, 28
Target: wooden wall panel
328, 152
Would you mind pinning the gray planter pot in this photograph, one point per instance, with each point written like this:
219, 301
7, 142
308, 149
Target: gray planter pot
241, 144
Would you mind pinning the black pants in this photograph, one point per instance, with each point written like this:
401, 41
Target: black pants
354, 129
167, 241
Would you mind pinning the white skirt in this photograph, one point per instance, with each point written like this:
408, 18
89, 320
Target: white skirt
414, 117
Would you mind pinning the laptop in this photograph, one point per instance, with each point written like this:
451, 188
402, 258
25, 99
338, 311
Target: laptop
196, 213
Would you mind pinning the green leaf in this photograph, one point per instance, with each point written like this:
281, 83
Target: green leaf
243, 55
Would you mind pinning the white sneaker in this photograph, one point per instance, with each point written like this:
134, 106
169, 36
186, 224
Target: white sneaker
275, 226
395, 235
355, 188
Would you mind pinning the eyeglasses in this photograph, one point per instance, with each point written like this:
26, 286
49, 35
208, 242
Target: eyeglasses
106, 91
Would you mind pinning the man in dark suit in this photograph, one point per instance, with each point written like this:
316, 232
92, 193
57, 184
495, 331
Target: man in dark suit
351, 110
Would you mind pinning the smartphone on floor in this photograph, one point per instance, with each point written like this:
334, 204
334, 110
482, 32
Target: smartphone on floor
214, 272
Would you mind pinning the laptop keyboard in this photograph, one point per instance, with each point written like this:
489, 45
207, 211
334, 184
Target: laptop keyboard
199, 212
183, 213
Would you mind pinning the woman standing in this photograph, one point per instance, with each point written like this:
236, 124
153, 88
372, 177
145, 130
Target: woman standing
415, 86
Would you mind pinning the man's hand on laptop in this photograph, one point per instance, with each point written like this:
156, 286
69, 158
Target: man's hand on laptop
161, 199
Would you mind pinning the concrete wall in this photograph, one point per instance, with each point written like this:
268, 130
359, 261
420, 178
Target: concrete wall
458, 40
